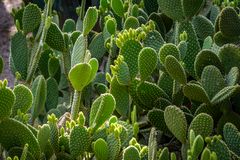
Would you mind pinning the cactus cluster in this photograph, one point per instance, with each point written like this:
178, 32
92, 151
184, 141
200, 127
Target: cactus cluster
129, 80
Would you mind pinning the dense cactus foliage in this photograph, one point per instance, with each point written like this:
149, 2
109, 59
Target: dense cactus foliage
130, 79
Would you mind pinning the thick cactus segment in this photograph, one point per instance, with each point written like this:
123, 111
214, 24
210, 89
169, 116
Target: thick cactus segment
24, 99
168, 49
176, 122
13, 133
19, 54
79, 76
117, 7
147, 62
79, 51
101, 149
172, 8
39, 91
113, 146
69, 26
175, 69
90, 20
55, 38
102, 109
230, 56
52, 94
31, 18
153, 40
131, 22
203, 26
7, 99
166, 83
197, 147
205, 58
232, 137
131, 153
148, 93
193, 46
43, 136
202, 125
196, 92
130, 51
225, 93
79, 141
229, 22
212, 80
192, 7
53, 65
96, 47
120, 93
152, 144
233, 76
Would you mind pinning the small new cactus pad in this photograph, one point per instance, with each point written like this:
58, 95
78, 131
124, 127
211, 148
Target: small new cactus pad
202, 125
131, 153
24, 99
232, 137
55, 38
43, 136
90, 20
102, 109
172, 9
147, 62
197, 147
191, 7
7, 100
205, 58
31, 18
229, 22
175, 69
15, 134
117, 7
100, 148
148, 93
79, 51
164, 155
196, 92
54, 132
79, 141
19, 54
168, 49
176, 122
52, 94
120, 93
39, 91
212, 80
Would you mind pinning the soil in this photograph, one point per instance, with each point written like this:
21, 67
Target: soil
7, 29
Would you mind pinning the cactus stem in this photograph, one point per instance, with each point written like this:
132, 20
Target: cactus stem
76, 104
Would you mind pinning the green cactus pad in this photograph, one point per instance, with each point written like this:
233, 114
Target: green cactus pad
230, 117
148, 93
24, 99
205, 58
96, 47
156, 118
120, 93
53, 66
203, 27
176, 122
229, 22
79, 141
196, 92
19, 54
153, 40
152, 144
147, 62
123, 74
117, 7
233, 76
162, 103
232, 137
191, 7
225, 93
31, 18
202, 125
172, 8
54, 132
69, 26
79, 51
175, 69
14, 133
79, 76
43, 62
55, 38
102, 109
113, 146
212, 80
43, 136
101, 149
52, 94
168, 49
7, 100
90, 20
131, 153
164, 155
197, 146
220, 40
230, 56
131, 22
166, 83
39, 91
